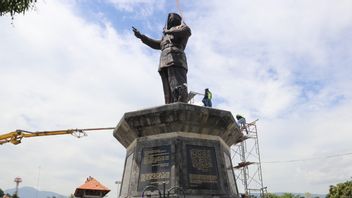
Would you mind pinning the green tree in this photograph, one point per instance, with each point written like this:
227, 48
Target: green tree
271, 195
285, 195
289, 195
341, 190
15, 6
1, 193
307, 195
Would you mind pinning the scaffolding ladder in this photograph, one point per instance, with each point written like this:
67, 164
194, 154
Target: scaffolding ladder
246, 157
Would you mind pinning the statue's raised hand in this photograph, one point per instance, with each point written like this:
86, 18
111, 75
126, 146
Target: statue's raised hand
136, 32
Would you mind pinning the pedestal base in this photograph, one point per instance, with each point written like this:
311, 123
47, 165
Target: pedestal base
164, 148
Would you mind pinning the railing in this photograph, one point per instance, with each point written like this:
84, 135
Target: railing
153, 188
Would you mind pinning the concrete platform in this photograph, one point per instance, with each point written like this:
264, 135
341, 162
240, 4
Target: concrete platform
177, 117
178, 145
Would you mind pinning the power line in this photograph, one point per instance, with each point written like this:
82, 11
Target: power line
307, 159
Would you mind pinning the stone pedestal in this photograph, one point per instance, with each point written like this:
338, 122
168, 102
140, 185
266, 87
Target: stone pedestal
179, 145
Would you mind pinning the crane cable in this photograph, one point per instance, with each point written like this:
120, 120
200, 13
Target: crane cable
178, 7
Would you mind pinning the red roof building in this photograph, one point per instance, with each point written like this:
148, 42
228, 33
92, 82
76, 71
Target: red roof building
91, 189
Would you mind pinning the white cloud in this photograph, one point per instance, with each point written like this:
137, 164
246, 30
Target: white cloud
59, 71
286, 63
142, 7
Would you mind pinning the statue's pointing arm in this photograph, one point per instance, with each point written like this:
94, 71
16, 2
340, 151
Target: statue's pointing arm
155, 44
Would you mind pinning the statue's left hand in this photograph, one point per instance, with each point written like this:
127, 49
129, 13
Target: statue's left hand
171, 30
168, 31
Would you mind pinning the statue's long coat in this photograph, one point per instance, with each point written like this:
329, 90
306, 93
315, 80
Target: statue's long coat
172, 46
173, 63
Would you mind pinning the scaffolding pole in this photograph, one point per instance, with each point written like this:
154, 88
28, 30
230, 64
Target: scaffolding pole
246, 157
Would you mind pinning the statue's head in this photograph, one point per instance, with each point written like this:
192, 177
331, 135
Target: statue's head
173, 20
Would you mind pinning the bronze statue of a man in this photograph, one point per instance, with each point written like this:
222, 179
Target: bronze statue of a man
173, 64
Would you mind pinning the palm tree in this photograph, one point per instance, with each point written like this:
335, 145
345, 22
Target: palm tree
15, 6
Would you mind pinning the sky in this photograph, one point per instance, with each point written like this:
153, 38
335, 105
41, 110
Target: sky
76, 64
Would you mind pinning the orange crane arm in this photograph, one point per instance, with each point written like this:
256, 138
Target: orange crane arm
16, 136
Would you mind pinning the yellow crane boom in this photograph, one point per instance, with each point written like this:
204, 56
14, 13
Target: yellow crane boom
16, 136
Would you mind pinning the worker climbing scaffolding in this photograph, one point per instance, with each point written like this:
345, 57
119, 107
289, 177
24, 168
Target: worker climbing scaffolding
241, 121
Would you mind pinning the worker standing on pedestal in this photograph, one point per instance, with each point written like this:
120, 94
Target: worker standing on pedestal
207, 98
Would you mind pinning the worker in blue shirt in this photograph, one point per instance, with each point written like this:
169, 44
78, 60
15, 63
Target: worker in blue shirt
241, 121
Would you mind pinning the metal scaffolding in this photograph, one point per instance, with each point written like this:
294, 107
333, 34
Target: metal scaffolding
246, 158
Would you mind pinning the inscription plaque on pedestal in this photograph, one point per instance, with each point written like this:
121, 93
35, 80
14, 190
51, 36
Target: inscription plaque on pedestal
155, 167
202, 167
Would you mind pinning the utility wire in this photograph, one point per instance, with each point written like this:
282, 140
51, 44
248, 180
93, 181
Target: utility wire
307, 159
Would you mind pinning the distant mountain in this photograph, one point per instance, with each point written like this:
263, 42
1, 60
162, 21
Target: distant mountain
30, 192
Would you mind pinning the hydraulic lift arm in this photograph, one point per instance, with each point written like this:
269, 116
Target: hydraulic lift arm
16, 136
